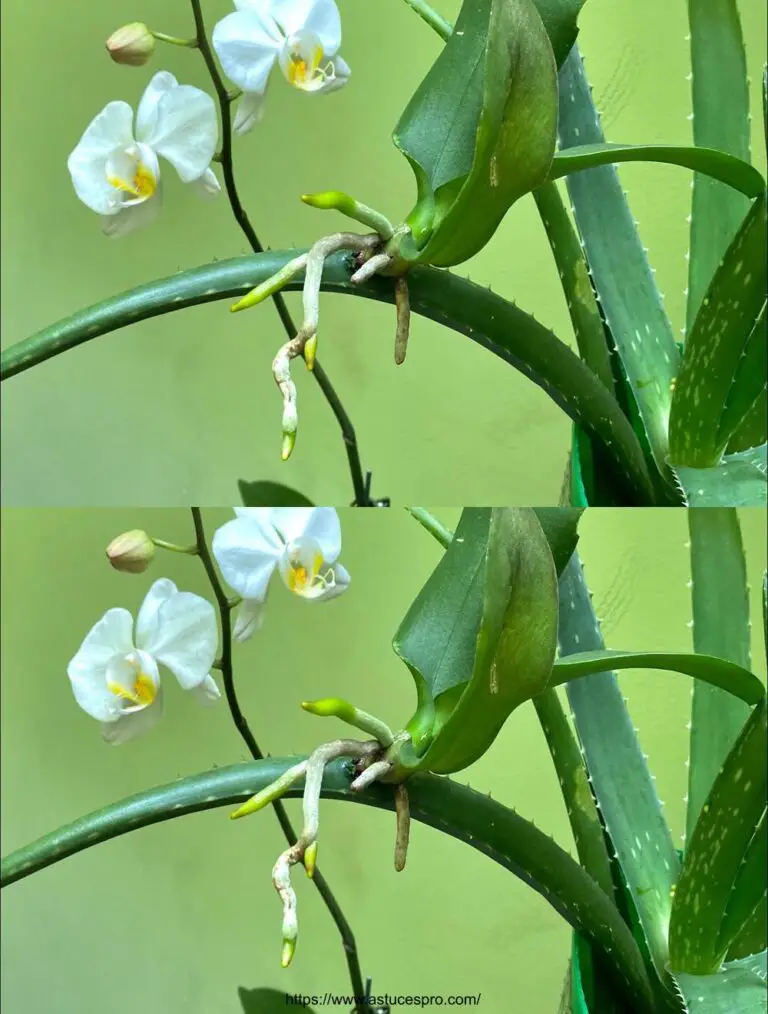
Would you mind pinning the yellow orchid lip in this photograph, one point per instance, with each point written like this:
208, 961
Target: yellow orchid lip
142, 694
143, 184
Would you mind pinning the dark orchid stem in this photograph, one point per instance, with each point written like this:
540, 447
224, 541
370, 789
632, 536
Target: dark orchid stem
227, 165
241, 723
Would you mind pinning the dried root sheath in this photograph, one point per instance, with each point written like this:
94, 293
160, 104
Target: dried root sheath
306, 845
403, 814
337, 708
403, 326
305, 342
376, 770
372, 266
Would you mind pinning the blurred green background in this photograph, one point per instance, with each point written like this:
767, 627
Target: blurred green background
190, 396
175, 917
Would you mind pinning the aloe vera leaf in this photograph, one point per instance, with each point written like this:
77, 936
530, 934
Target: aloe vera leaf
621, 782
716, 850
493, 322
720, 103
745, 911
738, 481
720, 627
716, 346
622, 277
574, 785
740, 988
718, 165
490, 828
752, 431
716, 671
574, 278
747, 394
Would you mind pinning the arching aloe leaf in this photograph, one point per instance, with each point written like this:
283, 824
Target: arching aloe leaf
720, 627
707, 404
716, 851
752, 431
480, 130
718, 165
717, 671
270, 494
738, 481
740, 988
514, 644
720, 103
486, 318
747, 394
745, 911
621, 274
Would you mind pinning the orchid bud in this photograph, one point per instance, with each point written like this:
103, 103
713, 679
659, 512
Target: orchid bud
132, 552
132, 44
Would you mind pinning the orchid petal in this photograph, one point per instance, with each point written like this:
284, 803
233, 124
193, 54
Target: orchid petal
184, 130
109, 638
207, 185
247, 44
318, 16
132, 216
185, 637
339, 79
318, 523
248, 620
111, 129
149, 104
148, 620
207, 692
134, 722
247, 552
250, 110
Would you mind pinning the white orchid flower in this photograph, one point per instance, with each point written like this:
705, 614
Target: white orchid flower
302, 36
115, 168
115, 675
301, 543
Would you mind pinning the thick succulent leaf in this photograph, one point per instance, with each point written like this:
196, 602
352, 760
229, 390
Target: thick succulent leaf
739, 988
483, 823
515, 642
708, 403
716, 671
626, 287
480, 131
738, 481
263, 493
753, 935
719, 165
752, 431
472, 310
746, 907
744, 411
716, 851
720, 627
621, 782
720, 102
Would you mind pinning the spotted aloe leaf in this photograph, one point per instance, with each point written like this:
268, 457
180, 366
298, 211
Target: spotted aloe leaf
738, 988
723, 368
743, 930
480, 130
720, 627
480, 637
738, 481
700, 932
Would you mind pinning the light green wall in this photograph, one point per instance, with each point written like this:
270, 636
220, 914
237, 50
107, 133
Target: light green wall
191, 396
173, 918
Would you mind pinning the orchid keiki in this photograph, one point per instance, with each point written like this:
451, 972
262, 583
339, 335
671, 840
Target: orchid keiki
115, 676
302, 543
302, 37
115, 167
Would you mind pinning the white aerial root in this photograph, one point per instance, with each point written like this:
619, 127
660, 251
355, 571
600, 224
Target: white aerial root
370, 267
370, 774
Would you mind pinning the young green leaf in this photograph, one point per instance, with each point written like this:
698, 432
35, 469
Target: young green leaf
263, 493
738, 481
720, 97
717, 850
480, 130
708, 404
720, 627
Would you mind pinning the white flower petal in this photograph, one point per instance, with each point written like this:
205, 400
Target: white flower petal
318, 16
207, 692
207, 185
133, 679
148, 620
132, 216
186, 638
147, 113
185, 130
247, 552
248, 620
247, 44
339, 79
110, 130
250, 110
341, 583
109, 638
318, 523
133, 723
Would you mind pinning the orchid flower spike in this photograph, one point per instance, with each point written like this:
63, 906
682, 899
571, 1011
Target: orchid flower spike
114, 674
115, 168
302, 36
302, 543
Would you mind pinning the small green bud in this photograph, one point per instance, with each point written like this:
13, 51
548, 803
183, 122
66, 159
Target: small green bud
132, 552
131, 45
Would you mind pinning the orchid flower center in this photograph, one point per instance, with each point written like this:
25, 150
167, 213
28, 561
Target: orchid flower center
131, 174
130, 683
302, 568
300, 62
